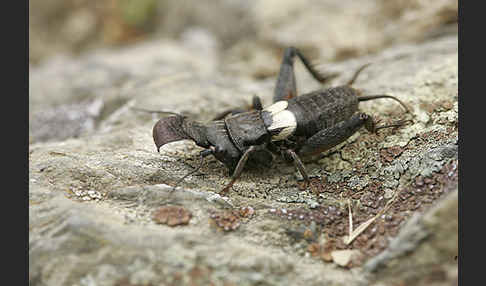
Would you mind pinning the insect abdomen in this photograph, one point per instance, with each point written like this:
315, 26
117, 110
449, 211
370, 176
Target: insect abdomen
323, 108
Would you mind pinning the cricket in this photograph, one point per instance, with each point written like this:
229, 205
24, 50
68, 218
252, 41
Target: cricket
292, 127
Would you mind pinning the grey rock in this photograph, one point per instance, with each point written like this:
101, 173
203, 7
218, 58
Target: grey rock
429, 240
110, 237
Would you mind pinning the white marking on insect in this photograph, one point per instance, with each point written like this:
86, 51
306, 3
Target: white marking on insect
282, 120
285, 121
277, 107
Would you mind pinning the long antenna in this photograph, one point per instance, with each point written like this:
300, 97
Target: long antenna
155, 111
372, 97
356, 73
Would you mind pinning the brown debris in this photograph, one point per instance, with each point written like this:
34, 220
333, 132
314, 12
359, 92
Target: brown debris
320, 251
246, 212
334, 221
389, 154
172, 215
226, 220
231, 219
326, 251
308, 235
314, 249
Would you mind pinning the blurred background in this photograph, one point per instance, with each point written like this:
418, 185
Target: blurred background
139, 40
240, 31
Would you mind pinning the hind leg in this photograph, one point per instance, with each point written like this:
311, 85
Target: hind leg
332, 136
286, 87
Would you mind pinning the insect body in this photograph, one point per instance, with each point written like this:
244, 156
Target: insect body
293, 126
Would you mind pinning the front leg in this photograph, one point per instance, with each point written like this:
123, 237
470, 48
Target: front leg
239, 168
300, 166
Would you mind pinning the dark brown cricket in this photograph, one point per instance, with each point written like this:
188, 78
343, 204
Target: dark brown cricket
293, 126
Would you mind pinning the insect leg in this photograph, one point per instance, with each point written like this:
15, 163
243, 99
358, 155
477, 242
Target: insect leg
239, 168
298, 163
332, 136
371, 126
286, 87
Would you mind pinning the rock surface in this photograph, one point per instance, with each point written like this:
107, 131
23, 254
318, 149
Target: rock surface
96, 179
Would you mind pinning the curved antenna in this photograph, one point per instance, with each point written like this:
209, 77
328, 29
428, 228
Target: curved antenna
154, 111
371, 97
356, 73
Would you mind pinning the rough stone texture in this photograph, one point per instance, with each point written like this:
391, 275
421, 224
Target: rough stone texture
424, 249
95, 178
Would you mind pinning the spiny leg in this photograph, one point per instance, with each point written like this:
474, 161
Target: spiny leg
332, 136
320, 77
371, 126
286, 87
239, 168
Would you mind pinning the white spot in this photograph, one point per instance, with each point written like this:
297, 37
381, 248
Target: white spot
277, 107
284, 120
